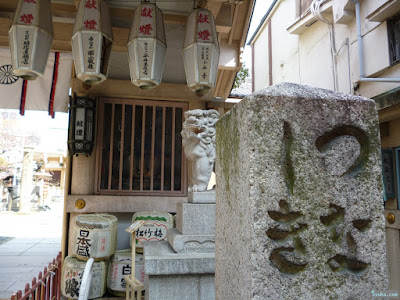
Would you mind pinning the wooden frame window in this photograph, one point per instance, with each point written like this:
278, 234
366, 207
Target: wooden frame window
139, 148
393, 29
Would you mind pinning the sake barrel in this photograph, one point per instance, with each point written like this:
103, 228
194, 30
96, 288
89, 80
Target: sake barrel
95, 236
155, 229
72, 276
120, 265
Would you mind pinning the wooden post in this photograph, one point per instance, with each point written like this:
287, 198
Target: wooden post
134, 287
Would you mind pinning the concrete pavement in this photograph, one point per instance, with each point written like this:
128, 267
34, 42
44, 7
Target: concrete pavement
36, 240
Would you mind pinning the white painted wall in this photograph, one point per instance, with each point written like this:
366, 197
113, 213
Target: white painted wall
261, 66
284, 46
306, 58
284, 49
315, 57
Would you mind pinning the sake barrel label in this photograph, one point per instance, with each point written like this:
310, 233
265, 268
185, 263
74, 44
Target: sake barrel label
154, 231
121, 265
155, 227
72, 278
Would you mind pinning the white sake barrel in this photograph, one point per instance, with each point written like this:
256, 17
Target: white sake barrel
120, 265
95, 236
72, 275
155, 229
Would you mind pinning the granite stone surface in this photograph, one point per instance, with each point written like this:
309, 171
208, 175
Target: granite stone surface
182, 287
299, 210
202, 197
187, 243
161, 259
195, 219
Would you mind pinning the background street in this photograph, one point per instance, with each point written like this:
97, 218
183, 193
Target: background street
28, 243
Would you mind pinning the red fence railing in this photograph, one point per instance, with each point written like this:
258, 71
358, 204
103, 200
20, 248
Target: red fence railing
47, 286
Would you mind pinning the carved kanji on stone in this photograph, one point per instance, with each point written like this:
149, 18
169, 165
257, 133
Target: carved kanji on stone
287, 259
318, 154
335, 221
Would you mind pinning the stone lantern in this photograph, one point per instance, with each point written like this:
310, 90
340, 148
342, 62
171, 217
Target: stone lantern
92, 41
30, 37
147, 46
201, 51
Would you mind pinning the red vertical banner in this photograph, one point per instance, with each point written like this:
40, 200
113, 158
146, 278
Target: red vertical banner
54, 84
23, 97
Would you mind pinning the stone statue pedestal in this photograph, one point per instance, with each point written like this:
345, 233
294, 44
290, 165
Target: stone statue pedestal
195, 224
172, 276
183, 268
202, 197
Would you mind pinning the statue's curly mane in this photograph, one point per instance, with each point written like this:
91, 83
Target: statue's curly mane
204, 130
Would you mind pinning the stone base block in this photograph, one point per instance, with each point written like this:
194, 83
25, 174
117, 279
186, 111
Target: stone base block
195, 219
202, 197
182, 287
182, 243
184, 276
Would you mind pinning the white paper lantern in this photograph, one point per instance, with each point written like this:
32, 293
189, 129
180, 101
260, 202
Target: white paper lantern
147, 46
30, 37
92, 41
201, 51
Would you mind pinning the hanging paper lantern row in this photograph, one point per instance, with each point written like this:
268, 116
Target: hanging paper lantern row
31, 36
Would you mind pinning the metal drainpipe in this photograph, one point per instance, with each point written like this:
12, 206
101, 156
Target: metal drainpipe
360, 51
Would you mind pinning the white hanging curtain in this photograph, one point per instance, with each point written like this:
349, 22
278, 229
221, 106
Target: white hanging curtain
49, 93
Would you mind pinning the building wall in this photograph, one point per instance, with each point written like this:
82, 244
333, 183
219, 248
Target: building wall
306, 57
261, 65
284, 46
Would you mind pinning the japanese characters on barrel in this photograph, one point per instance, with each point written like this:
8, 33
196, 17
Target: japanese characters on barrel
95, 236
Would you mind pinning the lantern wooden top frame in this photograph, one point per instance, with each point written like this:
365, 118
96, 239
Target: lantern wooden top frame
30, 37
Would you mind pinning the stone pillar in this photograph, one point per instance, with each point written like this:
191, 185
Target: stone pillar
82, 181
26, 181
299, 210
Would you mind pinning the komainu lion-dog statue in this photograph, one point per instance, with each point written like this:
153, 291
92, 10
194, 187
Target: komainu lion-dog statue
198, 138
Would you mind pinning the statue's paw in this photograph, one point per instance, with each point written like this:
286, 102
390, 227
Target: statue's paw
193, 188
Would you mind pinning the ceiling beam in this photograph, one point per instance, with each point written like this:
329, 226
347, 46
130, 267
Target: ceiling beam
125, 89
